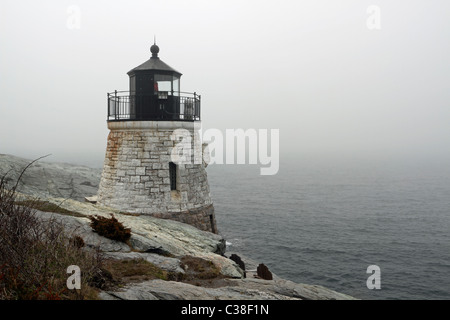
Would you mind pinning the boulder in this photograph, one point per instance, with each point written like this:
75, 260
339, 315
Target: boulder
263, 272
238, 261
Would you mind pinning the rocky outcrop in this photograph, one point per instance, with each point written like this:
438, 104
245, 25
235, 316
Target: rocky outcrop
170, 290
152, 236
238, 289
158, 241
148, 235
165, 263
45, 179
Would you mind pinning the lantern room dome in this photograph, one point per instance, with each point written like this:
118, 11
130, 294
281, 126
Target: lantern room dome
155, 64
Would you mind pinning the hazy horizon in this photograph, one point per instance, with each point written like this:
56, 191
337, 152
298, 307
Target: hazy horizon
335, 89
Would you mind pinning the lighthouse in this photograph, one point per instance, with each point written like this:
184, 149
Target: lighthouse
140, 173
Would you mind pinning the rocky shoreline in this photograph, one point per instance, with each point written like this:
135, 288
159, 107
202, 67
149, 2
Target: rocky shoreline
161, 242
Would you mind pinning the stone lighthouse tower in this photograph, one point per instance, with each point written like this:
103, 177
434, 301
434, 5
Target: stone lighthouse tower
140, 173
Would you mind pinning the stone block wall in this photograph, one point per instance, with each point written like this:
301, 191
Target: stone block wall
202, 218
136, 176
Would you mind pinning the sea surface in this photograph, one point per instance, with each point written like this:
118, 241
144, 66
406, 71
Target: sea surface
324, 223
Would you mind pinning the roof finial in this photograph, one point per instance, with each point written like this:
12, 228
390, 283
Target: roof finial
154, 49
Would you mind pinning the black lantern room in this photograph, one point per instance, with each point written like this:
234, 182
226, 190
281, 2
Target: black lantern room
154, 95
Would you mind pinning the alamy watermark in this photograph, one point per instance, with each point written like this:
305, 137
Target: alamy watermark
73, 21
374, 280
236, 146
74, 280
373, 21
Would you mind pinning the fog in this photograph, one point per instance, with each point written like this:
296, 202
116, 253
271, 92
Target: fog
338, 79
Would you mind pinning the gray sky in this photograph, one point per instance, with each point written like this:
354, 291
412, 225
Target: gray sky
312, 69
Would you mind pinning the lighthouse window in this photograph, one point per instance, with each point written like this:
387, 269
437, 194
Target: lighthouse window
176, 86
163, 83
173, 176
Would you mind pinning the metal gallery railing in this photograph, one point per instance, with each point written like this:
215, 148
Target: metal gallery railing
129, 106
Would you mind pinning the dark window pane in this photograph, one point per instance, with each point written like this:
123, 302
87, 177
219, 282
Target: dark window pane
173, 176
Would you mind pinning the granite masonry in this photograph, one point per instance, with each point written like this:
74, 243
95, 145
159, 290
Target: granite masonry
137, 175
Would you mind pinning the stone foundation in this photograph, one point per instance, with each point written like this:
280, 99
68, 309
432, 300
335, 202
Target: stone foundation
202, 218
136, 176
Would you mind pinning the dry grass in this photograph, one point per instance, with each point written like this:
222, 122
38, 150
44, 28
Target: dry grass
134, 270
35, 255
199, 272
202, 273
47, 206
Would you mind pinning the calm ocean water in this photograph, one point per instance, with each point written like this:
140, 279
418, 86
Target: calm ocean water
324, 224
